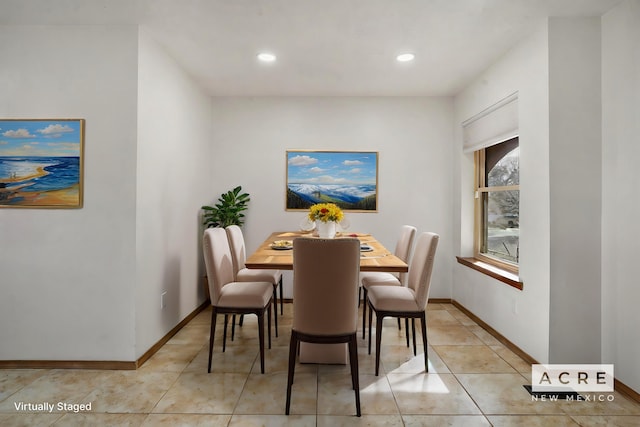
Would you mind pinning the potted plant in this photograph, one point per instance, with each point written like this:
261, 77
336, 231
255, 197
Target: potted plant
228, 211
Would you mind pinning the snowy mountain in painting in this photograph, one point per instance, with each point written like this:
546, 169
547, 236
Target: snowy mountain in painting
317, 193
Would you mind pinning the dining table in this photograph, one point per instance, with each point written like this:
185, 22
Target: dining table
276, 252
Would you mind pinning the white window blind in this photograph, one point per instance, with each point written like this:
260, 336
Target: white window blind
492, 126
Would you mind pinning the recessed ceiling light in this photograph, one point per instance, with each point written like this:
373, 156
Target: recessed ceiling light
266, 57
405, 57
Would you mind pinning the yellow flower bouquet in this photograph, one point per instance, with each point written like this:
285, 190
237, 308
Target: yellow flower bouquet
325, 212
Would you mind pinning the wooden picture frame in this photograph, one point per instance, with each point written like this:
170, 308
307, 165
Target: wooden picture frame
41, 163
346, 178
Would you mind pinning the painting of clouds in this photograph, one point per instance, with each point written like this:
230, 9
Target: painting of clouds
41, 163
346, 178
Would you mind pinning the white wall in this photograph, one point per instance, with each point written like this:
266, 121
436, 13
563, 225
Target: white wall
620, 183
521, 316
575, 196
68, 276
573, 78
85, 284
412, 135
173, 182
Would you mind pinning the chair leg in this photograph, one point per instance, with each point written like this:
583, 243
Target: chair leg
423, 322
364, 310
399, 324
275, 309
293, 346
379, 320
370, 320
211, 337
241, 321
413, 329
359, 296
269, 322
224, 333
261, 337
355, 376
281, 298
406, 326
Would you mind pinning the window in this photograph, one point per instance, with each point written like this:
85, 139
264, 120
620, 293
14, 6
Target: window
497, 207
492, 136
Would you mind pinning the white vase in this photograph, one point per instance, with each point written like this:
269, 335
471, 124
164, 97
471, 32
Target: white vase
326, 230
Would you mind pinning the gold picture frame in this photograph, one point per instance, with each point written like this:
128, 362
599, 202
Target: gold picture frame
346, 178
41, 163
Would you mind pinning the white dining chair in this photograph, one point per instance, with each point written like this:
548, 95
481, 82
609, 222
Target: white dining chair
243, 274
325, 294
372, 278
408, 302
229, 297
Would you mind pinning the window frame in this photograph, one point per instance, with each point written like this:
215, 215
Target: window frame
480, 188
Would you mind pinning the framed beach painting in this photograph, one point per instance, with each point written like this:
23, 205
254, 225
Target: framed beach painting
346, 178
41, 163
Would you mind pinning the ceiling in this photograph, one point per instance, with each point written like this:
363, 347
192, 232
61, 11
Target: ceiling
324, 47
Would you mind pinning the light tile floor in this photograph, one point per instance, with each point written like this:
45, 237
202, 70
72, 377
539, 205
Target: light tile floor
473, 380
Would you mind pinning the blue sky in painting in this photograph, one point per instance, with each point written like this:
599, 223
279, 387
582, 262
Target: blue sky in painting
331, 167
40, 138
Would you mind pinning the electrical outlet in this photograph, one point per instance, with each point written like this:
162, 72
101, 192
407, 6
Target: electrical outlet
163, 302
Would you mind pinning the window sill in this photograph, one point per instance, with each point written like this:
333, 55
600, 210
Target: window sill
497, 273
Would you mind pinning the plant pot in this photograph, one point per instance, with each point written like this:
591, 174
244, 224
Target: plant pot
326, 230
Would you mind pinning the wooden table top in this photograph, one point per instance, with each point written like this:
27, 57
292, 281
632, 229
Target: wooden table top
379, 259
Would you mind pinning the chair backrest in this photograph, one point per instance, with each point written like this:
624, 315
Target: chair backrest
238, 251
421, 267
325, 285
218, 261
403, 247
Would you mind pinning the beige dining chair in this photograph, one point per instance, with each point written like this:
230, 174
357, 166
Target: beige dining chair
368, 279
406, 301
325, 300
229, 296
243, 274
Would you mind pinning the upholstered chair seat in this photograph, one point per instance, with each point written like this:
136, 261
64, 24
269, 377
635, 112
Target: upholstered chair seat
255, 275
398, 298
372, 278
244, 294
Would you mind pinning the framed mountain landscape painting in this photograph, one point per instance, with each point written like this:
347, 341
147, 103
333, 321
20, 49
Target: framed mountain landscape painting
41, 163
346, 178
